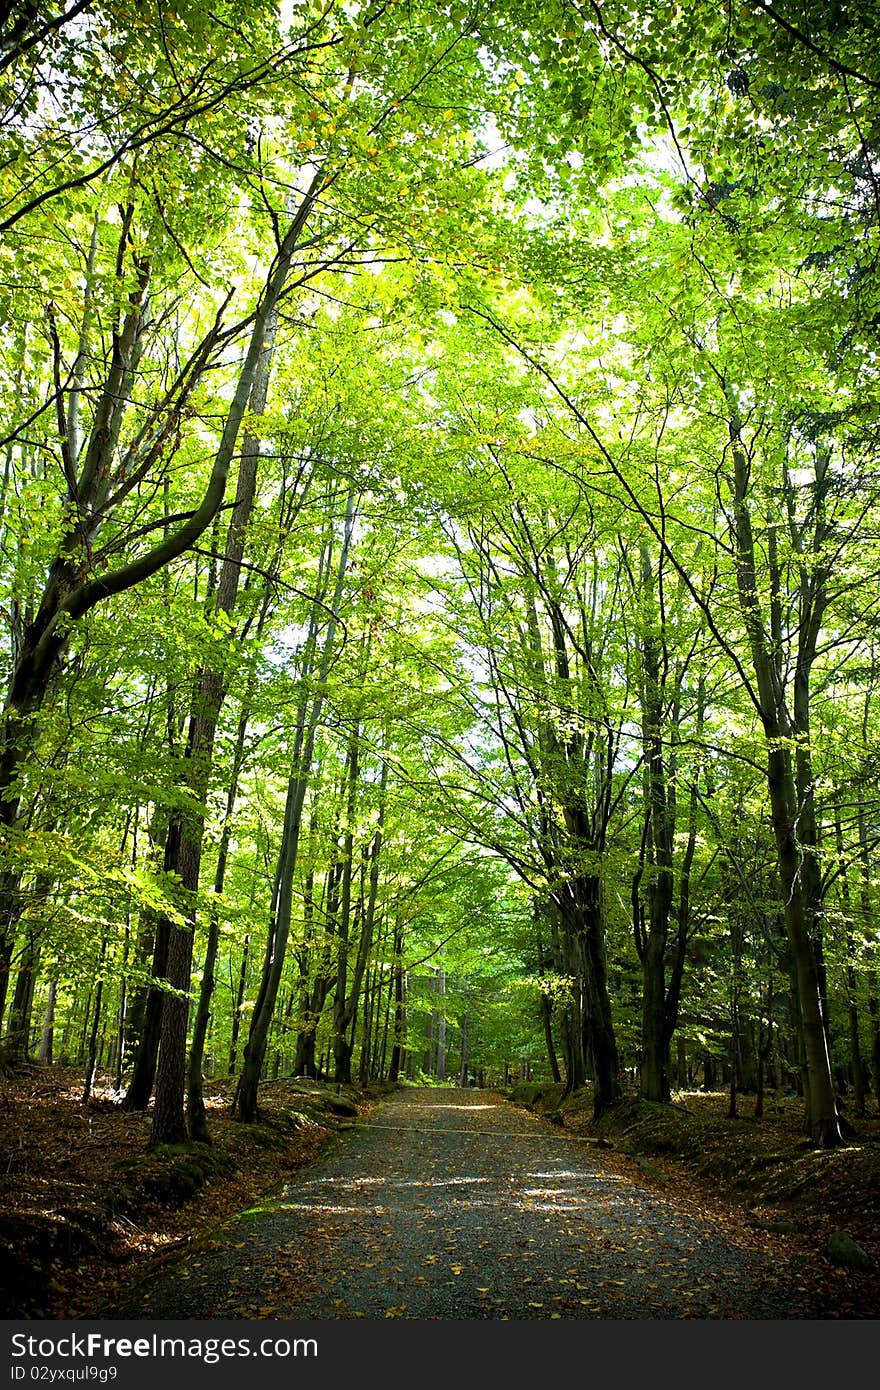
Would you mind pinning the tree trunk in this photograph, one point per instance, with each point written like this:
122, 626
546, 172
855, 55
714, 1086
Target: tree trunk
169, 1123
658, 843
92, 1053
346, 1015
790, 790
196, 1114
186, 835
396, 1059
598, 1022
867, 915
654, 1078
317, 988
855, 1046
545, 1003
279, 927
140, 1087
17, 1041
44, 1055
341, 1012
239, 1004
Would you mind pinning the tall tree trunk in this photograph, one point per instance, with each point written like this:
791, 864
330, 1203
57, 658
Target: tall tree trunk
145, 1002
186, 834
341, 1015
319, 984
92, 1052
140, 1087
659, 839
399, 1034
855, 1046
790, 791
239, 1004
598, 1019
196, 1114
47, 1035
345, 1014
279, 926
545, 1003
867, 913
17, 1041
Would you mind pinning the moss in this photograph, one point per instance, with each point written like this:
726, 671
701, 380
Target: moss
537, 1095
170, 1174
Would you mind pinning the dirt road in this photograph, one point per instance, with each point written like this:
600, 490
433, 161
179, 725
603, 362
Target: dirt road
454, 1204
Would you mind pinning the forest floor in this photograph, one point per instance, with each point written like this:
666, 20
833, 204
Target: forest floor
84, 1206
87, 1211
760, 1174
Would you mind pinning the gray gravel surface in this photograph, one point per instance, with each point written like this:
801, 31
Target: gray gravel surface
455, 1204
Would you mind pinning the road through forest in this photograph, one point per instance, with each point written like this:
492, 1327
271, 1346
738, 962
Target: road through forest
455, 1204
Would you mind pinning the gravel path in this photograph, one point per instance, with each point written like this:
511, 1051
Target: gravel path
455, 1204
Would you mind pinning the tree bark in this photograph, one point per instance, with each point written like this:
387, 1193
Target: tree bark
17, 1041
790, 791
47, 1036
279, 926
186, 835
140, 1087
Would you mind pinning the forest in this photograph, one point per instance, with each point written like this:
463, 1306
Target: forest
439, 549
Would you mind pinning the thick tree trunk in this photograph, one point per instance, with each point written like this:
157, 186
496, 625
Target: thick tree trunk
169, 1121
305, 1057
582, 927
790, 791
600, 1025
140, 1087
186, 836
17, 1041
658, 843
822, 1117
654, 1077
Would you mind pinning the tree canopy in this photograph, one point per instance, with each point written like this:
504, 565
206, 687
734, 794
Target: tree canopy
440, 545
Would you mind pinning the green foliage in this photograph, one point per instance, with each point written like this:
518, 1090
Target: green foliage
557, 265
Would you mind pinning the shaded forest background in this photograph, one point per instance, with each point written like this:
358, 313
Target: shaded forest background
439, 551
